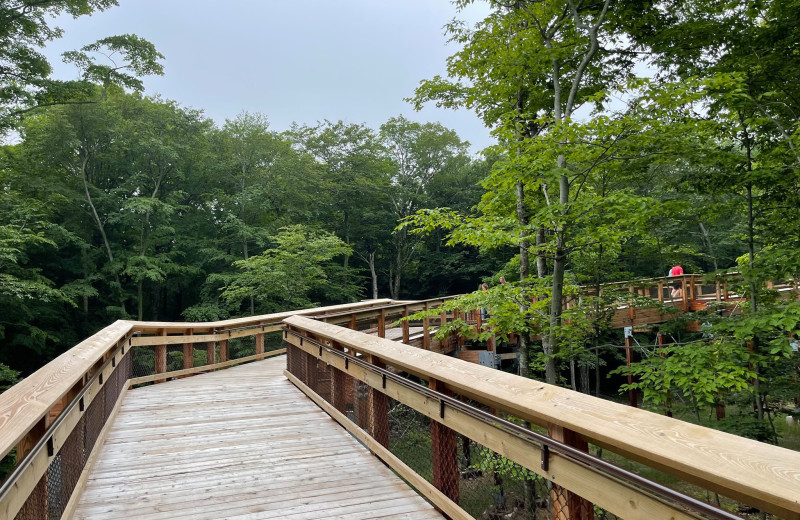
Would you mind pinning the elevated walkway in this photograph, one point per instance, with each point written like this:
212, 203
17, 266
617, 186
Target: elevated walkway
258, 440
238, 443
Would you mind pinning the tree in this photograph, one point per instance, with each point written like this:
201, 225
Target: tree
356, 174
419, 152
24, 78
297, 273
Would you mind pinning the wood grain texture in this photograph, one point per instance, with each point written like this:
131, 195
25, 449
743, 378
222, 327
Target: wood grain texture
24, 404
239, 443
761, 475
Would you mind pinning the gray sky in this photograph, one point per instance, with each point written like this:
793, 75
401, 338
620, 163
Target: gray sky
292, 60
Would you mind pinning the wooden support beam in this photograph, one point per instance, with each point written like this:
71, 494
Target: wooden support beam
223, 350
444, 451
160, 357
211, 354
405, 326
259, 343
566, 504
632, 400
661, 292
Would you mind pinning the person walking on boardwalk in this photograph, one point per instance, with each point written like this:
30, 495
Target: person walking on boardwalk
676, 271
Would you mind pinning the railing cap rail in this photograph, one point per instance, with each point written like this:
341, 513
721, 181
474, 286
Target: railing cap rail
721, 461
254, 320
26, 403
23, 405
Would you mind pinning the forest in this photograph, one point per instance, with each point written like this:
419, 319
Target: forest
631, 136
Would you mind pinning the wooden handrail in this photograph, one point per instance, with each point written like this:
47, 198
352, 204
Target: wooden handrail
764, 476
29, 402
25, 406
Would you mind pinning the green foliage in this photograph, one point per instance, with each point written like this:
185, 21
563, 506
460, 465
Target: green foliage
25, 84
8, 377
293, 273
698, 371
488, 461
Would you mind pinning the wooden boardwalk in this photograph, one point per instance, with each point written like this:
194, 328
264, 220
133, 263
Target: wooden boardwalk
241, 443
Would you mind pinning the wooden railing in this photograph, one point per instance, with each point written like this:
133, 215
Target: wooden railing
54, 418
41, 414
328, 362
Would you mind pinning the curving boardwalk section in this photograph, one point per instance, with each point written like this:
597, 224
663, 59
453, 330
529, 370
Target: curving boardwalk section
241, 443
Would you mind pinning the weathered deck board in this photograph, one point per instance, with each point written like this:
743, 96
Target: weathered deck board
241, 443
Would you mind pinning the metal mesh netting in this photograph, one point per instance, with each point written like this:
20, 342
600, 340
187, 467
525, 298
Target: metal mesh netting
484, 483
51, 495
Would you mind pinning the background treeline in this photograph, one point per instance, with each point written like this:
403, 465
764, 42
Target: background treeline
631, 136
130, 207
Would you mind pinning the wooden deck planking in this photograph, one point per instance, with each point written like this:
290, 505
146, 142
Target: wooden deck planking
241, 443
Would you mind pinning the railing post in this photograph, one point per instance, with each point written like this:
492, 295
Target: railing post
382, 323
632, 400
632, 306
444, 452
211, 355
406, 335
426, 335
566, 504
260, 343
685, 294
223, 350
188, 352
160, 357
338, 386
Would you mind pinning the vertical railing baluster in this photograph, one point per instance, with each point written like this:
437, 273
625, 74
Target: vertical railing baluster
160, 357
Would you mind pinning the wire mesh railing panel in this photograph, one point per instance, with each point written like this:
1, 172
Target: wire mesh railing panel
273, 341
241, 347
51, 495
174, 357
410, 438
35, 507
491, 486
143, 361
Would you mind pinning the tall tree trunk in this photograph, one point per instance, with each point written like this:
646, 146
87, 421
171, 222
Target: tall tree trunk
373, 274
707, 240
100, 227
751, 247
139, 299
550, 338
246, 253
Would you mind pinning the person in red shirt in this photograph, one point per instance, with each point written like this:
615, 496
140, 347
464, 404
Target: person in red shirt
676, 271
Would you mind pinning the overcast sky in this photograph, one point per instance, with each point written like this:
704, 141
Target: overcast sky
292, 60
